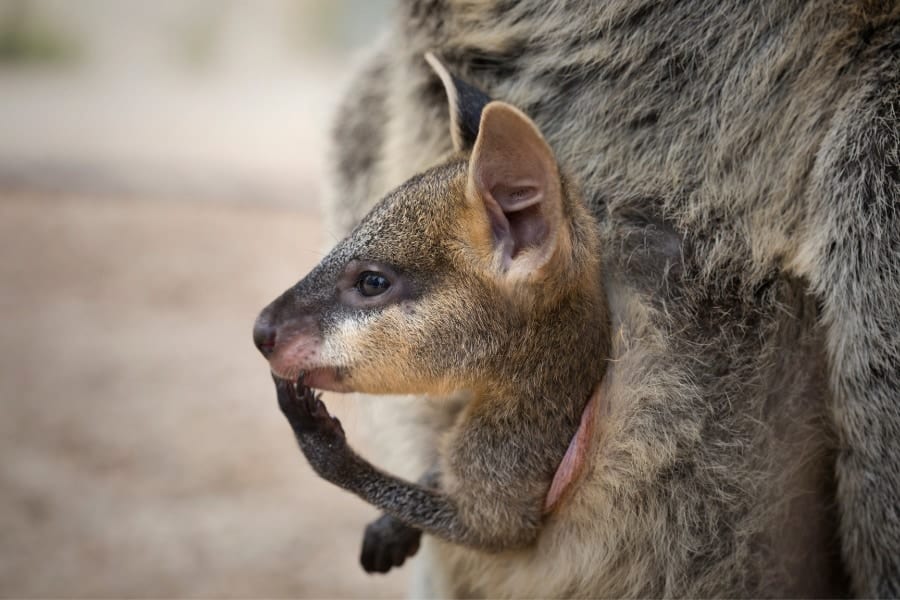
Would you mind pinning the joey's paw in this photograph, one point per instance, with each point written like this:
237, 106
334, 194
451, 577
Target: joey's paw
387, 543
305, 410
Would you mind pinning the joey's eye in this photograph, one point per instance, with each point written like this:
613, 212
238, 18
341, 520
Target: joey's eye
371, 283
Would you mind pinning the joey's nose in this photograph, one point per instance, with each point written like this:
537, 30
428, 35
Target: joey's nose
264, 337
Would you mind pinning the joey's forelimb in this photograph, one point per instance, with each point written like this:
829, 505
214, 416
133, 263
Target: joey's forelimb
388, 541
322, 441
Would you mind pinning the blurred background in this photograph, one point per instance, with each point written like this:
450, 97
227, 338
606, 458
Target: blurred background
161, 166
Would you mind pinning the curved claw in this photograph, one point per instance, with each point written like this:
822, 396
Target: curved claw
305, 410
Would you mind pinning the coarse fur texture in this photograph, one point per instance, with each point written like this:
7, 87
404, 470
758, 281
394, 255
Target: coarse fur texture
753, 389
475, 276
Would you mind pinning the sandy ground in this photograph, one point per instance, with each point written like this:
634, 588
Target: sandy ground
142, 450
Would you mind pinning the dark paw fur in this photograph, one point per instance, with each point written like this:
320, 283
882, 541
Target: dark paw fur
305, 410
387, 543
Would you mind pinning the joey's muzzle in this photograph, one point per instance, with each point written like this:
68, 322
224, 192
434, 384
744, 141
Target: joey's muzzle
281, 319
264, 335
289, 339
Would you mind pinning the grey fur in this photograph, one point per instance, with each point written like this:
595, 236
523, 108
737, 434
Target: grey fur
767, 134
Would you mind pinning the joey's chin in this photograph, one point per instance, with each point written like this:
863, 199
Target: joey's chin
327, 379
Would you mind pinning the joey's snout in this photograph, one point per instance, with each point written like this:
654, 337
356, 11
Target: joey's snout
264, 335
283, 335
291, 342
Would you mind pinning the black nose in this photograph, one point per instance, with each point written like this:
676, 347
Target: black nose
264, 337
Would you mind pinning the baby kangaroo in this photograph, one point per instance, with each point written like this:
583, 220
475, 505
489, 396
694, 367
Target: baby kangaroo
480, 275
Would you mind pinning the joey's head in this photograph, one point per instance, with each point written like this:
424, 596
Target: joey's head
455, 273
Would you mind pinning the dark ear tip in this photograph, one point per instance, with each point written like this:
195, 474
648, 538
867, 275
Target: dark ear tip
465, 101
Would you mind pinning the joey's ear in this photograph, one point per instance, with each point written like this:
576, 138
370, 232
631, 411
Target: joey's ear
465, 101
513, 175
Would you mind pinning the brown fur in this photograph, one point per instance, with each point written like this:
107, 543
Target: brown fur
495, 272
761, 140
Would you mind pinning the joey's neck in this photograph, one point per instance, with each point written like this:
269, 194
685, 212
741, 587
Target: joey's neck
557, 361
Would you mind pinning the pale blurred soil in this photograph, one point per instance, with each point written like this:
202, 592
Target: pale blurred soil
143, 454
155, 194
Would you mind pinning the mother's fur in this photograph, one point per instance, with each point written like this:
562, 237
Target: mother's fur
749, 446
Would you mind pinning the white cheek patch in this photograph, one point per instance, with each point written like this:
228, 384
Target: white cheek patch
341, 345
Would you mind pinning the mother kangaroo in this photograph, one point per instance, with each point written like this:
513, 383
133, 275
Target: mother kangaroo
750, 444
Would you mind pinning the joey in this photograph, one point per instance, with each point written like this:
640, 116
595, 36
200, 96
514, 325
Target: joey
477, 276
